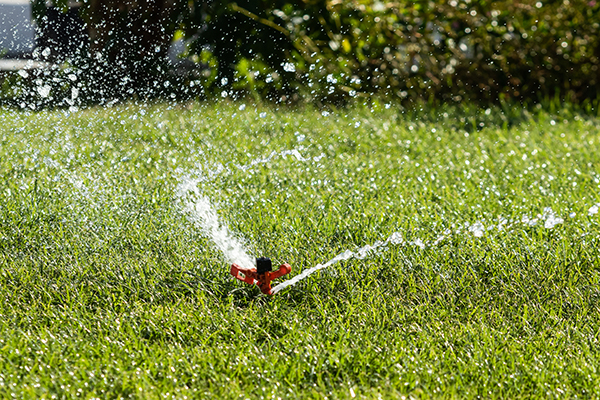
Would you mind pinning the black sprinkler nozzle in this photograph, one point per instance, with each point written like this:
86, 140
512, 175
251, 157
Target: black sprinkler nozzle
263, 264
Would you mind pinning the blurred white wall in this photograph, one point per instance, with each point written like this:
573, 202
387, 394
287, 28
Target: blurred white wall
17, 32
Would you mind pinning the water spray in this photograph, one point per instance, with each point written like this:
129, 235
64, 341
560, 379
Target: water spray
262, 275
394, 239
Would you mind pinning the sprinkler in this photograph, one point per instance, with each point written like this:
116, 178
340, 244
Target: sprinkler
262, 275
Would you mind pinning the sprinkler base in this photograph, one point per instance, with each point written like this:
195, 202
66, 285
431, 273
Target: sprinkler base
262, 275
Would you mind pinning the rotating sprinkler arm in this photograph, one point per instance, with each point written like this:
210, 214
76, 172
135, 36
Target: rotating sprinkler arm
262, 275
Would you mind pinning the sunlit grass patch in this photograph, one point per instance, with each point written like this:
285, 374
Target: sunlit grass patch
489, 288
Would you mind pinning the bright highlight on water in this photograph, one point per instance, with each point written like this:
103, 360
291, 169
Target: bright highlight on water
395, 238
201, 212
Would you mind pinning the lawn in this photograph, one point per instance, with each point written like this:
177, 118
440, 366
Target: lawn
112, 284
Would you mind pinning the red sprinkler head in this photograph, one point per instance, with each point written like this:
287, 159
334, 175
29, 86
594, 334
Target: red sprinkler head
262, 275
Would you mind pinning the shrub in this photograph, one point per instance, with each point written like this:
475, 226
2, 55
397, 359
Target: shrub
328, 51
439, 49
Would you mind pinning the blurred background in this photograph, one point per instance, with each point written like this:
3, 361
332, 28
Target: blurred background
70, 54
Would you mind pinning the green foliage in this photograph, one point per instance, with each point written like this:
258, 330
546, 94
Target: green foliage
448, 50
329, 51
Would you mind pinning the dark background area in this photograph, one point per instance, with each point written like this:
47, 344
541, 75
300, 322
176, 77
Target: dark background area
318, 51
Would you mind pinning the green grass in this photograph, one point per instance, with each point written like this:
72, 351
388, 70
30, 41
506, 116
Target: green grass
107, 289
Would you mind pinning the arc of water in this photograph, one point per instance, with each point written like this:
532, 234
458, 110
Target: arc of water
201, 212
395, 238
218, 168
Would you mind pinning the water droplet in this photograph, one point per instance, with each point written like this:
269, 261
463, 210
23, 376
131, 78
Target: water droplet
289, 67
